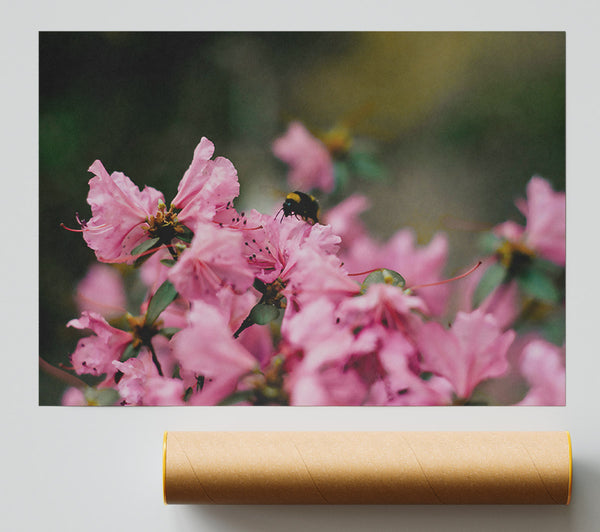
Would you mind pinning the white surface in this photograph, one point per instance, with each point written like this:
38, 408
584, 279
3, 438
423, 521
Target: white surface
98, 469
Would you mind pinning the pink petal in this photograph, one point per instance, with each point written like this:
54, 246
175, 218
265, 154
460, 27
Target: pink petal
214, 260
546, 221
310, 164
206, 347
207, 188
344, 218
419, 265
95, 354
473, 350
542, 364
509, 230
119, 209
194, 178
102, 291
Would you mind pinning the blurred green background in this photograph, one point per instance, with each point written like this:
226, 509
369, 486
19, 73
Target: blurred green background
460, 120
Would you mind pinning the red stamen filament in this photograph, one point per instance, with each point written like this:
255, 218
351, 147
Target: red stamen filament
368, 271
248, 228
69, 229
147, 252
150, 251
239, 227
447, 280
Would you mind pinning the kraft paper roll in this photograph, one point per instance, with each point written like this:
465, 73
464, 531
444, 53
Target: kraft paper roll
367, 468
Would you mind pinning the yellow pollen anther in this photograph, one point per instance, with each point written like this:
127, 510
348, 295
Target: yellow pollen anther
508, 251
337, 141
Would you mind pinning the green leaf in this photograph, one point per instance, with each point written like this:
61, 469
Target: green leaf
237, 397
262, 314
169, 331
187, 235
145, 246
554, 329
259, 285
364, 165
168, 262
492, 278
200, 382
163, 297
103, 397
187, 394
176, 372
130, 352
489, 243
547, 266
383, 276
341, 174
538, 285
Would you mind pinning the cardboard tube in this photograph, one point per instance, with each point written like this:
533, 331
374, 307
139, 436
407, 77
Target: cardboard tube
367, 467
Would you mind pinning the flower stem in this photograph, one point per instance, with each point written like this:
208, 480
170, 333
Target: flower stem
155, 359
62, 375
172, 252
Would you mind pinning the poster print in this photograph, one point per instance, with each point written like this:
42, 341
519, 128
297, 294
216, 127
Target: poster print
302, 218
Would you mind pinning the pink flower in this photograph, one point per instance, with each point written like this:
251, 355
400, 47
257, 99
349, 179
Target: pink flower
545, 230
316, 330
329, 387
213, 261
546, 220
310, 164
258, 341
207, 187
207, 349
341, 364
384, 305
400, 385
542, 364
386, 309
503, 303
236, 306
417, 264
102, 291
372, 367
362, 254
326, 374
124, 217
344, 219
73, 397
313, 325
141, 384
509, 230
119, 212
474, 349
153, 273
312, 274
272, 250
405, 388
317, 376
95, 354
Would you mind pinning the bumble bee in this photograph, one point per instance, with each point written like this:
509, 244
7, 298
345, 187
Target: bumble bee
302, 206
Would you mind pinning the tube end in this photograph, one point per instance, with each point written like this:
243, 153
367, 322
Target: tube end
570, 467
164, 467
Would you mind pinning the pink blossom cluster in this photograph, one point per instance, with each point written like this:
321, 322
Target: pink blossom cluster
255, 308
